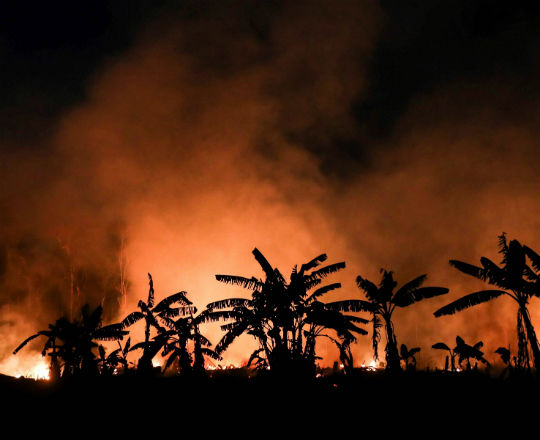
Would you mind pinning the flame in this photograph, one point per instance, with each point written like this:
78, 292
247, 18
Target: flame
31, 366
372, 366
40, 371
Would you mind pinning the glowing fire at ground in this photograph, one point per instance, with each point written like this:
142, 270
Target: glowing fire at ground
372, 366
32, 367
39, 372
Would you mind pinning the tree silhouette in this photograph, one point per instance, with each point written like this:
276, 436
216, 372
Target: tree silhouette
382, 302
451, 355
179, 334
408, 356
77, 341
516, 280
154, 317
50, 348
285, 318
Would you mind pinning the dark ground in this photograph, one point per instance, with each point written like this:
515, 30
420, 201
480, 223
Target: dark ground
231, 404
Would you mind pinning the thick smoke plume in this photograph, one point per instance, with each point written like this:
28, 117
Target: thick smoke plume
196, 147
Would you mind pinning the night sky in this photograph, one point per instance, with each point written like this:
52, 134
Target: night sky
179, 135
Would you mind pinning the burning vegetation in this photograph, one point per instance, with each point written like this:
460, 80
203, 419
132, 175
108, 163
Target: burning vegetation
286, 318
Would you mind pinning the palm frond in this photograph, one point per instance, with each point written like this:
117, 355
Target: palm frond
504, 353
411, 286
247, 283
151, 292
414, 350
228, 339
263, 262
310, 283
326, 270
468, 269
132, 318
213, 316
179, 297
355, 328
403, 351
26, 341
173, 312
313, 263
113, 332
256, 356
469, 301
386, 286
323, 290
357, 319
441, 346
211, 353
170, 360
139, 345
230, 302
533, 256
407, 298
493, 274
478, 345
352, 305
370, 289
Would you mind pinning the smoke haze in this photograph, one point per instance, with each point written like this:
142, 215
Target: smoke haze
194, 147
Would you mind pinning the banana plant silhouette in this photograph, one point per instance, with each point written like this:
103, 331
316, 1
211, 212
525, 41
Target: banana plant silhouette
108, 364
516, 280
176, 339
505, 355
285, 318
408, 356
50, 348
382, 302
463, 352
451, 355
154, 317
78, 339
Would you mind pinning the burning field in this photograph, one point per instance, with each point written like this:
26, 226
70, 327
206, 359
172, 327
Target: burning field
175, 138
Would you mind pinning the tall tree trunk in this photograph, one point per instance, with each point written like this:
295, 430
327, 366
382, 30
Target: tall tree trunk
531, 336
185, 358
523, 349
392, 354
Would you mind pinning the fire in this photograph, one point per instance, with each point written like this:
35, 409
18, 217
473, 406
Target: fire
372, 366
39, 372
32, 367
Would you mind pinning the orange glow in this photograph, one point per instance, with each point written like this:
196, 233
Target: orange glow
30, 366
371, 366
194, 174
